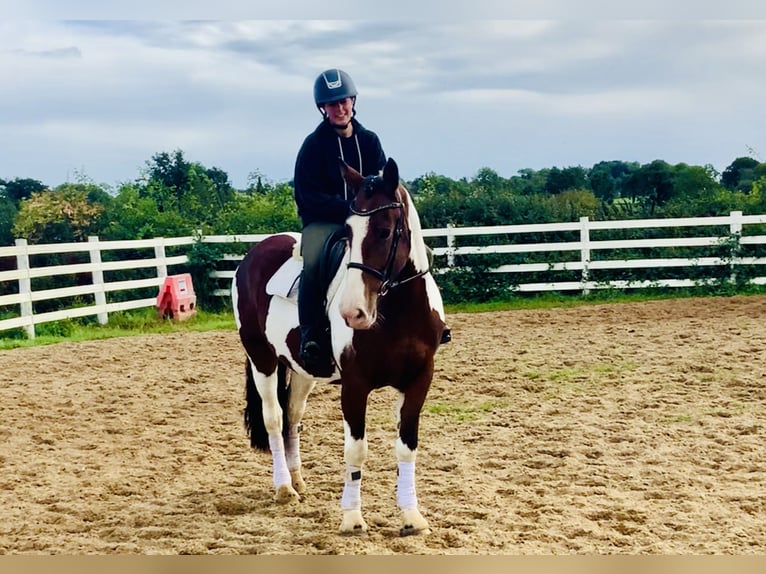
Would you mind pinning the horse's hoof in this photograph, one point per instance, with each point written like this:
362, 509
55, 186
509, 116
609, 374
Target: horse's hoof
413, 523
298, 483
286, 494
353, 524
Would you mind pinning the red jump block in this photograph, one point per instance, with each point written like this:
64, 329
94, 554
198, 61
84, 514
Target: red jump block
176, 299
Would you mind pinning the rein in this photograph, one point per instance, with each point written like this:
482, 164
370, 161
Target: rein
384, 276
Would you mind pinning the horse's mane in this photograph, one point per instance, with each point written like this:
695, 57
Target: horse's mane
418, 252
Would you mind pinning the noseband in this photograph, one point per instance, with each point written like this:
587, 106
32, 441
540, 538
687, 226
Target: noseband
384, 276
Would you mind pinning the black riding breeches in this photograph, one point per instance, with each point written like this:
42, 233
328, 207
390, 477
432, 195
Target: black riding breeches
310, 295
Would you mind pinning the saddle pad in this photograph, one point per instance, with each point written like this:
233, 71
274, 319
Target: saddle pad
284, 283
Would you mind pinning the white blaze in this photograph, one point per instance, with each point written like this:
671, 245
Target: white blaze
356, 305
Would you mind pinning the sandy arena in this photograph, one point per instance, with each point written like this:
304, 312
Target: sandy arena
609, 429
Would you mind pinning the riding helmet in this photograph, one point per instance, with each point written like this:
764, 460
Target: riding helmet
332, 85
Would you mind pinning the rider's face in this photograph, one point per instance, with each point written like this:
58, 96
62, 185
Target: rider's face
339, 112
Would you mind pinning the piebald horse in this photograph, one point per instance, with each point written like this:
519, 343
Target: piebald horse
386, 317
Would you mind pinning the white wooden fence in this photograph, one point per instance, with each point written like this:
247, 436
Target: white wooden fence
731, 230
583, 255
98, 288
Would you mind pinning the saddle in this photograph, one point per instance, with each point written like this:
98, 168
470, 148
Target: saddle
284, 283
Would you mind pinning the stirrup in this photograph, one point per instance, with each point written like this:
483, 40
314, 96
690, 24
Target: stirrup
311, 349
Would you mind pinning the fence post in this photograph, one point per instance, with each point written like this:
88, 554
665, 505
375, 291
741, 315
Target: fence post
98, 277
450, 245
735, 233
159, 255
585, 253
25, 286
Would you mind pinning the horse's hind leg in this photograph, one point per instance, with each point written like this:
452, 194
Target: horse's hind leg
408, 414
272, 419
300, 387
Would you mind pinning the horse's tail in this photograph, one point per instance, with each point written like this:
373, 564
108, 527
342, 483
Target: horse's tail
253, 412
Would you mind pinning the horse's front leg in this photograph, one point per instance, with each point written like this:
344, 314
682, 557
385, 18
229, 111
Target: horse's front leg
410, 405
300, 387
354, 406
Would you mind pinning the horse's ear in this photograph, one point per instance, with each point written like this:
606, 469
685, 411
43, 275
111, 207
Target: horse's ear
391, 174
353, 178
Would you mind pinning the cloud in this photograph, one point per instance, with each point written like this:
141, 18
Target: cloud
57, 53
445, 96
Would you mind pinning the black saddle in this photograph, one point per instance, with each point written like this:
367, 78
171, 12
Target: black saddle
332, 254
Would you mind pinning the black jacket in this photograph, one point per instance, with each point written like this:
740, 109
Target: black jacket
320, 191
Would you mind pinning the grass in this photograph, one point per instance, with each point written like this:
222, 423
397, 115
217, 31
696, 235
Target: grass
458, 413
552, 300
574, 380
123, 324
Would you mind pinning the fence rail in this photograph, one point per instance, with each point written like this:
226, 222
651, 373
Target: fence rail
576, 251
98, 288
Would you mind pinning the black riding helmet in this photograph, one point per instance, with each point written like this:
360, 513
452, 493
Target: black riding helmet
332, 85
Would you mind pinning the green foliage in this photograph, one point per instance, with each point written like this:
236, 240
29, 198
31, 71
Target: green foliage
475, 284
739, 174
63, 329
733, 277
481, 207
559, 180
607, 178
20, 188
177, 197
67, 213
269, 211
134, 215
7, 218
189, 189
203, 258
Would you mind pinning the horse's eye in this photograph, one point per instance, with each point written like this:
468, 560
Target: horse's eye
383, 233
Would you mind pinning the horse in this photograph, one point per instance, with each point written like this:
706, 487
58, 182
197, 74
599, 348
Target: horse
386, 321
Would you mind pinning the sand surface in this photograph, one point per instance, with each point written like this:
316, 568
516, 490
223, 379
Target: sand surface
610, 429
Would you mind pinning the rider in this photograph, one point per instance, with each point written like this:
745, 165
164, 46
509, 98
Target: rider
322, 196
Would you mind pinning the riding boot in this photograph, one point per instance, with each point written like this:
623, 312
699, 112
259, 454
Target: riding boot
314, 347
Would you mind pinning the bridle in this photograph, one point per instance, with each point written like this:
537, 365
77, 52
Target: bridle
385, 275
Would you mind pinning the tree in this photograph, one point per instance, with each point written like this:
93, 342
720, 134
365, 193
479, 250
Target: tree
269, 212
222, 188
530, 182
603, 185
559, 180
20, 188
696, 193
257, 183
489, 181
739, 174
7, 218
62, 215
187, 188
133, 215
651, 185
692, 181
573, 204
607, 178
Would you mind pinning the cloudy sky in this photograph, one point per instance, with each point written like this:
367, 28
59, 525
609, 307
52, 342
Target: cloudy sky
97, 97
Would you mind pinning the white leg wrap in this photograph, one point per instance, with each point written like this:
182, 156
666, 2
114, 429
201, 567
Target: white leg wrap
352, 489
293, 448
406, 498
277, 446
